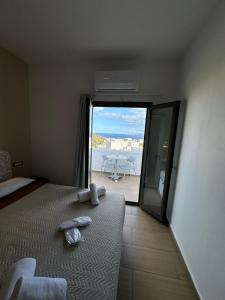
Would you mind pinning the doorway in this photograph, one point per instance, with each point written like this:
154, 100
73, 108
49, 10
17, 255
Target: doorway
116, 147
131, 147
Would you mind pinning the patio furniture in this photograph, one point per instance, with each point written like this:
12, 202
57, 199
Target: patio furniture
127, 166
107, 164
115, 175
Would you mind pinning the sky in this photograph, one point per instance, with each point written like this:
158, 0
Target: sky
119, 120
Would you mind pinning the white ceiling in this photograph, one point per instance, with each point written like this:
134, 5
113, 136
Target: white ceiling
68, 30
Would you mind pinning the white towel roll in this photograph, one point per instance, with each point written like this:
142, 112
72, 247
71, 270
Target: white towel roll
85, 194
101, 190
23, 267
94, 194
40, 288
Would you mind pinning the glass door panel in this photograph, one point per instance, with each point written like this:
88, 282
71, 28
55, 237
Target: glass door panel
158, 152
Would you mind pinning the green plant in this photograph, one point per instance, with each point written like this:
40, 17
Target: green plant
97, 140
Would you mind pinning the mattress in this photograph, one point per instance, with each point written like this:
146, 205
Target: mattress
28, 227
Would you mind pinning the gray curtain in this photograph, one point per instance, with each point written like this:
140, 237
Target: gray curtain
82, 139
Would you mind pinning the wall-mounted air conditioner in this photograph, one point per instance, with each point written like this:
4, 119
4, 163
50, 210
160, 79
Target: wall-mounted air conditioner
116, 81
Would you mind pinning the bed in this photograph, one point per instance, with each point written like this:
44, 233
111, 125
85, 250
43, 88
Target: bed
20, 192
14, 188
28, 227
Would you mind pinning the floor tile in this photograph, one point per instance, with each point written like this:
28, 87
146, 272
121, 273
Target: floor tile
148, 286
127, 235
151, 265
161, 240
144, 223
151, 260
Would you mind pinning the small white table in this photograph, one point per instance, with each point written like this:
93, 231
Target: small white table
115, 177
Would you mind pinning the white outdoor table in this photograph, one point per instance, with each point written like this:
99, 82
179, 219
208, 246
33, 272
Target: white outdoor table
116, 158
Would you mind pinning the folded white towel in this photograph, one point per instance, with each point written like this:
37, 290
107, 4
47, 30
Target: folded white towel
23, 267
40, 288
94, 194
76, 222
82, 221
73, 236
67, 225
85, 194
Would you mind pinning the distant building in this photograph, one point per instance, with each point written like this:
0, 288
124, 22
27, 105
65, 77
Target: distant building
124, 144
127, 144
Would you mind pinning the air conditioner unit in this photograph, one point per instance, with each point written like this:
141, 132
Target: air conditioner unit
116, 81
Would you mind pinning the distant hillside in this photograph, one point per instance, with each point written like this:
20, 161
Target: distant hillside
120, 135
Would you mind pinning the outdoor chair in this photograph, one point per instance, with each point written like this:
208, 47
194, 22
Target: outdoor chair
127, 166
107, 164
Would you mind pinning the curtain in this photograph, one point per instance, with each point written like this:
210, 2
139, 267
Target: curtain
82, 139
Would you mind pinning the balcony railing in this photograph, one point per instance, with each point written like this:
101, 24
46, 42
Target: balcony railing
97, 158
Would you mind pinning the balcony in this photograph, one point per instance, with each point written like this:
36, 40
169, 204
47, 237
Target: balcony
130, 179
128, 185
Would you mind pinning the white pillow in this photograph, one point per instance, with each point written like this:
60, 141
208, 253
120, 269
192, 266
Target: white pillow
11, 185
40, 288
23, 267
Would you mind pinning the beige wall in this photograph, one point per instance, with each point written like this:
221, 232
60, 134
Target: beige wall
54, 97
198, 220
14, 111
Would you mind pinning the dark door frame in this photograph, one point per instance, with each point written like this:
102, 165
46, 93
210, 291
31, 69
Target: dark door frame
87, 134
169, 165
120, 104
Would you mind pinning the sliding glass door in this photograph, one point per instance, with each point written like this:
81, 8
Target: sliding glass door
159, 143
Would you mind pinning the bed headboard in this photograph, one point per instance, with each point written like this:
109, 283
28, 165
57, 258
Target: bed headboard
5, 165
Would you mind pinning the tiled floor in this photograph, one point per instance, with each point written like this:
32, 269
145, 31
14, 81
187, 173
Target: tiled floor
151, 266
129, 185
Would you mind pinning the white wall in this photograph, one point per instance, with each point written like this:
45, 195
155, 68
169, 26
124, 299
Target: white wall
198, 219
54, 96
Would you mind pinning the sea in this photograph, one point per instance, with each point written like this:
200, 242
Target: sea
120, 135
